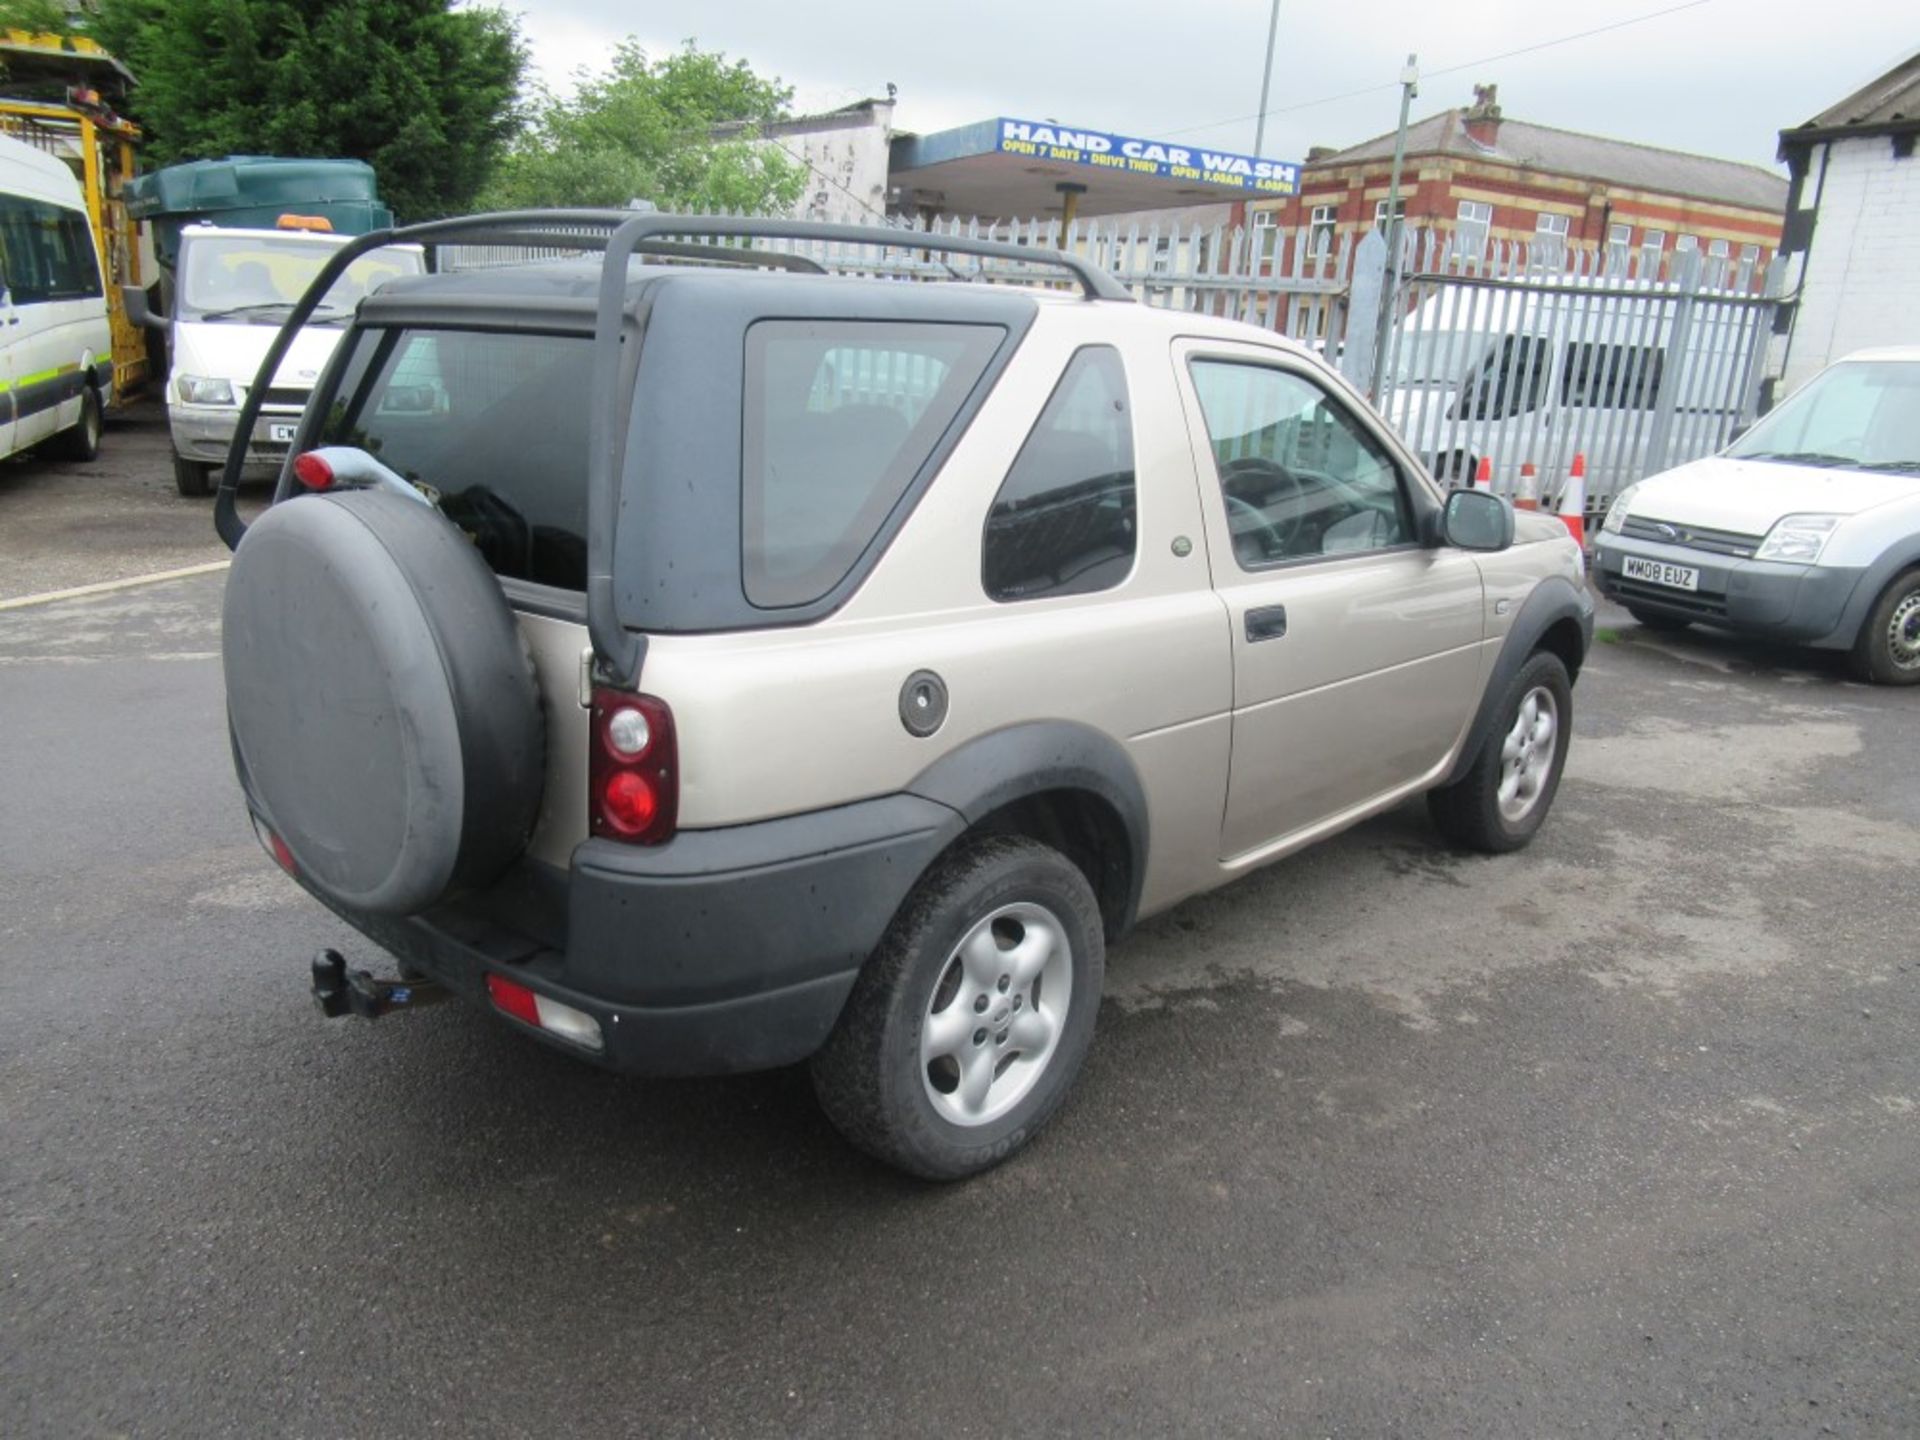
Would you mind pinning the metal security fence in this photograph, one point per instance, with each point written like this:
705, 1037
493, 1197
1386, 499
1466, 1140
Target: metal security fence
1526, 357
1521, 354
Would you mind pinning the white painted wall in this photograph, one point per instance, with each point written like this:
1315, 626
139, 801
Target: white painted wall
1861, 285
846, 166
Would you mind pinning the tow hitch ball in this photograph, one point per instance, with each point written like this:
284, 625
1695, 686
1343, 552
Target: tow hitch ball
340, 991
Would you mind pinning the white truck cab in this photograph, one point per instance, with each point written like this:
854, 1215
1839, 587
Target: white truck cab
1805, 529
232, 290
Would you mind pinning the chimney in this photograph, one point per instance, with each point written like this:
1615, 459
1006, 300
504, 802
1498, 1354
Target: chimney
1483, 119
1317, 153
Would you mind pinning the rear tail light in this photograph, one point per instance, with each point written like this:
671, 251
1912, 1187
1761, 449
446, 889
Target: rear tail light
633, 779
543, 1012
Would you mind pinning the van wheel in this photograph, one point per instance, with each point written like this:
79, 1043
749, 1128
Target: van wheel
81, 440
190, 478
969, 1022
1499, 803
1887, 650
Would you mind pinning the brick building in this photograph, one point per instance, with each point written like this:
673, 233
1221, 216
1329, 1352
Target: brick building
1478, 176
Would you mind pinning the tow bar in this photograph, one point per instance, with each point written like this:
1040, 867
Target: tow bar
339, 991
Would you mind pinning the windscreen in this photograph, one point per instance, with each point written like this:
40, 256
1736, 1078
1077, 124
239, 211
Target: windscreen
1859, 415
257, 279
1438, 357
494, 425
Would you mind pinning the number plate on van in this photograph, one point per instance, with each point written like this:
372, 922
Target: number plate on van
281, 434
1658, 572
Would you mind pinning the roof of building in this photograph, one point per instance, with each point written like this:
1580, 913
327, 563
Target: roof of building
1590, 157
1891, 102
848, 117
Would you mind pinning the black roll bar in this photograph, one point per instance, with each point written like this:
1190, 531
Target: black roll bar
617, 650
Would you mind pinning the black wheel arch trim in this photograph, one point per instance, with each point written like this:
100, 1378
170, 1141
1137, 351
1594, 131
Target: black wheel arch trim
1022, 761
1554, 599
1896, 559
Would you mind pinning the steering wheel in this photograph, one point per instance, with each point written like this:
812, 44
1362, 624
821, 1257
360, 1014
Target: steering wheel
1279, 483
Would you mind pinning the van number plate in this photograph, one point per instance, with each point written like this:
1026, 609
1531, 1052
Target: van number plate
1658, 572
281, 434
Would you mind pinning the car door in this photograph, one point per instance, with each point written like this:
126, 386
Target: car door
1356, 648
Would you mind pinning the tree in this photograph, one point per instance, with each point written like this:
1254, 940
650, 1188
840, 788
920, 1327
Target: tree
424, 92
682, 132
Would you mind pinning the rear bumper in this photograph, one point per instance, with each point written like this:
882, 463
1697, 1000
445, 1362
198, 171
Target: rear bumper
721, 951
1801, 604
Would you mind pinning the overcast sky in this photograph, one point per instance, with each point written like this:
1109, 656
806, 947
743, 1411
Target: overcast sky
1721, 77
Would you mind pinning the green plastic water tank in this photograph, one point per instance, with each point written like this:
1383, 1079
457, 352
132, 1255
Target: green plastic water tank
254, 191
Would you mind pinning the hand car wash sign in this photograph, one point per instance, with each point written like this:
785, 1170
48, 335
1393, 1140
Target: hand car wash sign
1130, 155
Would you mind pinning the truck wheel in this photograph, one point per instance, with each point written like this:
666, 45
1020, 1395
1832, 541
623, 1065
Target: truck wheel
1887, 650
1499, 803
81, 440
970, 1021
191, 478
1653, 620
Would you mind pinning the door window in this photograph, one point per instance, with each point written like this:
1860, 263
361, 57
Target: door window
1301, 477
1063, 522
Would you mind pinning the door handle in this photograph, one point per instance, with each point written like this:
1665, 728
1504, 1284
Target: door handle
1268, 622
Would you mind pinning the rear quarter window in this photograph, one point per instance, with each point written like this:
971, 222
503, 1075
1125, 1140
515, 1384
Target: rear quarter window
839, 416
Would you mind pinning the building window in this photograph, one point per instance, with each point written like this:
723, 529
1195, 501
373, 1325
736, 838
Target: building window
1380, 212
1719, 249
1265, 233
1749, 254
1470, 233
1163, 256
1652, 244
1322, 231
1685, 244
1619, 237
1556, 226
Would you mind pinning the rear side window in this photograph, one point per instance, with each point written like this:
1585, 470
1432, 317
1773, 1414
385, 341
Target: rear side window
839, 416
46, 251
1612, 377
1063, 522
496, 423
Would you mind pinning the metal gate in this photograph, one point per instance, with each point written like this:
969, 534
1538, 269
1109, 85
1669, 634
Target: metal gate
1520, 359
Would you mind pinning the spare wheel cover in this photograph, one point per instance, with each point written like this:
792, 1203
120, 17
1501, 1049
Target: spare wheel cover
383, 704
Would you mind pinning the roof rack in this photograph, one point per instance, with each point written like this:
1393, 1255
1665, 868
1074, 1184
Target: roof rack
621, 234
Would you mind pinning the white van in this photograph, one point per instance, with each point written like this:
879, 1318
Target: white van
232, 289
1806, 529
1520, 374
56, 346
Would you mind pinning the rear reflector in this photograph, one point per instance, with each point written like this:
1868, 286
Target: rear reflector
275, 846
312, 470
544, 1013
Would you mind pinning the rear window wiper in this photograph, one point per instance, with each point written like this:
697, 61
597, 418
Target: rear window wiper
1804, 457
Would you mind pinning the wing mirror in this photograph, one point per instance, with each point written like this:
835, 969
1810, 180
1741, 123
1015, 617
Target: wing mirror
1476, 520
133, 300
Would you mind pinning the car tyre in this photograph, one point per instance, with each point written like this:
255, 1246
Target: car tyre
1887, 650
191, 478
989, 977
1654, 620
1503, 799
81, 440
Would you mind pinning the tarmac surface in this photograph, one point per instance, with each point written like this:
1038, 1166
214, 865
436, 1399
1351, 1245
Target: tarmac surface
1616, 1136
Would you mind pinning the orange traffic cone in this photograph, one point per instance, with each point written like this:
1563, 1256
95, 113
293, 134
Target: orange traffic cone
1527, 497
1573, 502
1483, 476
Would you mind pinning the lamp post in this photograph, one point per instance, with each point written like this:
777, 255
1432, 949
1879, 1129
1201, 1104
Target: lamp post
1266, 80
1390, 298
